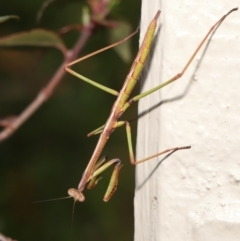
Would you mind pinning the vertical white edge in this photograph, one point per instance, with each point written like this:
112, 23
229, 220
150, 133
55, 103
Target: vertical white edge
193, 194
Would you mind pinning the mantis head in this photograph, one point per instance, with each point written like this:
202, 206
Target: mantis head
76, 194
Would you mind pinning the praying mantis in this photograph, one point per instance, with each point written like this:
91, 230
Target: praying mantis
96, 166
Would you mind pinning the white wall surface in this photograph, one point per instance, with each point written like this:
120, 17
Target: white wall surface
193, 194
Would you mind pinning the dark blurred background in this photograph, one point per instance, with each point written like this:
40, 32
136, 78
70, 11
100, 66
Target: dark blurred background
49, 153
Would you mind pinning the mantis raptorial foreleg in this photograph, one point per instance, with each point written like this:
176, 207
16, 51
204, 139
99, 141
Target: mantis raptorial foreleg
100, 167
95, 167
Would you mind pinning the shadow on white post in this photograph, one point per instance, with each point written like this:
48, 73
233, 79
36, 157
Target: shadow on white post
193, 194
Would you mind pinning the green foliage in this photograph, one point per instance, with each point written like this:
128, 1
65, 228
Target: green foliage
34, 38
49, 153
6, 18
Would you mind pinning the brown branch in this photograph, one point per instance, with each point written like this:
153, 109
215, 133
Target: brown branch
99, 11
46, 92
4, 238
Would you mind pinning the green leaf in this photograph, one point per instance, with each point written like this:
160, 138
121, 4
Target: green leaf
116, 34
34, 38
6, 18
44, 6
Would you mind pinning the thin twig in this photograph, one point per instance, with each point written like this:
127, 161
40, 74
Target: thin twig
46, 92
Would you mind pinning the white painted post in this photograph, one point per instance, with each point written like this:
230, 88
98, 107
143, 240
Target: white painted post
193, 194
